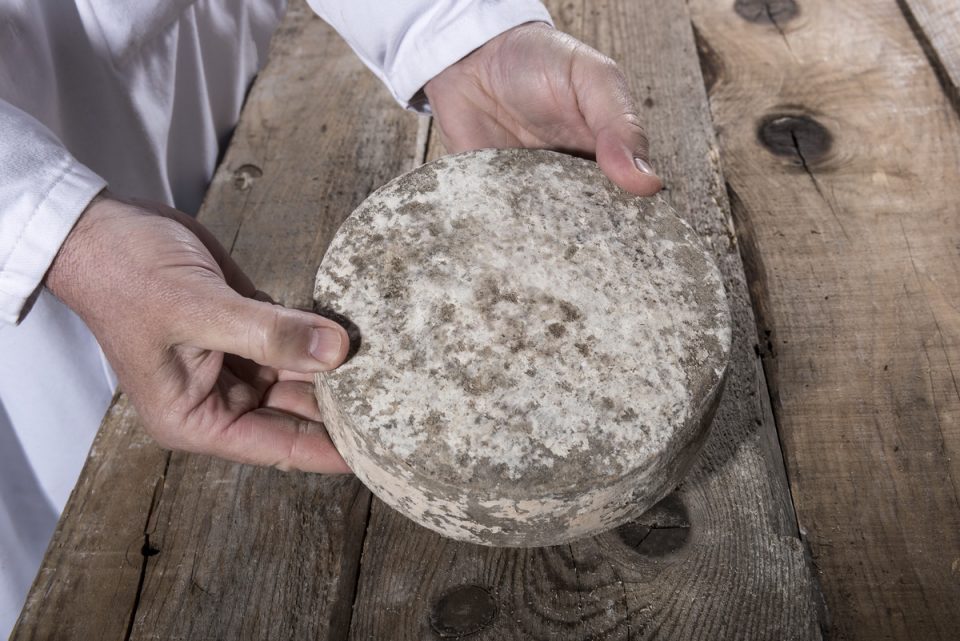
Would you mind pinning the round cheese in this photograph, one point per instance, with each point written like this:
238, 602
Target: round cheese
539, 354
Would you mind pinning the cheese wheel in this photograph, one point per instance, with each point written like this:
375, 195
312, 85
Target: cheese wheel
539, 354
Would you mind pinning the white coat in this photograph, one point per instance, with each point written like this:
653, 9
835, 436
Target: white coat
139, 95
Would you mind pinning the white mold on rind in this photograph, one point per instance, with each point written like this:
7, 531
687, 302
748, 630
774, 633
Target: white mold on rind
541, 352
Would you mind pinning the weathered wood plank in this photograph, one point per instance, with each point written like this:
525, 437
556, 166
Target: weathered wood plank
843, 155
87, 584
718, 559
160, 545
936, 24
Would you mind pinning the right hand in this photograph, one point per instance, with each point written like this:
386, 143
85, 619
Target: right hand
534, 86
211, 365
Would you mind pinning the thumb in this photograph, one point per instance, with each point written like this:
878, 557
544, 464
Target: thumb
267, 334
621, 143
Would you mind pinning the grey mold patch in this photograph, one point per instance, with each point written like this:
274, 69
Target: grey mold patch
542, 352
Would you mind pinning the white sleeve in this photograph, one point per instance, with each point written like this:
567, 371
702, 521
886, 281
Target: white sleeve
43, 190
408, 42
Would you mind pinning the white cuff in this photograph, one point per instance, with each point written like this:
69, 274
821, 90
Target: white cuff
407, 43
43, 191
42, 233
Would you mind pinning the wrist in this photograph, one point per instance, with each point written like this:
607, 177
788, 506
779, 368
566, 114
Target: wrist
65, 278
488, 50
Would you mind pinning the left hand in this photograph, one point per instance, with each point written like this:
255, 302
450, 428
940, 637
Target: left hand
534, 86
211, 365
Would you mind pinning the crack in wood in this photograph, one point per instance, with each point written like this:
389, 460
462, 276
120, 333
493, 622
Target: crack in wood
816, 184
819, 597
776, 24
623, 593
147, 550
354, 589
236, 234
755, 272
805, 139
576, 575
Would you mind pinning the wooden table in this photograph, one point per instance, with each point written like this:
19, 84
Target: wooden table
816, 148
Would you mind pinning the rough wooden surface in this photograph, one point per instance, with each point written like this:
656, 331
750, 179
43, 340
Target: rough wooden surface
843, 158
87, 585
718, 559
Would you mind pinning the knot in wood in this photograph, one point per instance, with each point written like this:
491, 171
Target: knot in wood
464, 610
774, 12
796, 136
662, 530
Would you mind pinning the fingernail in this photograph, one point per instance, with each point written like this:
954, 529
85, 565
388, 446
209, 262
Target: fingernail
325, 345
644, 166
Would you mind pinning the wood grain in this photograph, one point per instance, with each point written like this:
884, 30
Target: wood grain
87, 584
852, 238
936, 24
718, 559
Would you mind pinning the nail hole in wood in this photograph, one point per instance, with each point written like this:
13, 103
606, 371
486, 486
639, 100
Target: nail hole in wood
245, 176
795, 136
774, 12
463, 610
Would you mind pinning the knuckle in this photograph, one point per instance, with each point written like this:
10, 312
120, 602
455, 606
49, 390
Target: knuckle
625, 125
633, 124
263, 331
301, 428
631, 120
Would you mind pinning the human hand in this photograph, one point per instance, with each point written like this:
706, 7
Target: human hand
534, 86
209, 368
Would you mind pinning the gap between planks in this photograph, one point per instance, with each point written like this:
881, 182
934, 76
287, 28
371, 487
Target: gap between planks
936, 26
